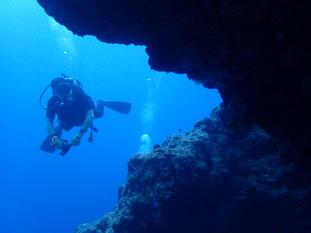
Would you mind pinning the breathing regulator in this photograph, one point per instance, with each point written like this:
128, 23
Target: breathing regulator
62, 88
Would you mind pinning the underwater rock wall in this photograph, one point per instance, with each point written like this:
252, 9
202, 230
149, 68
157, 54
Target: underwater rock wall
212, 180
256, 53
228, 174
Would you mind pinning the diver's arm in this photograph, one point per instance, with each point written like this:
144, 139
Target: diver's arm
88, 120
75, 141
49, 126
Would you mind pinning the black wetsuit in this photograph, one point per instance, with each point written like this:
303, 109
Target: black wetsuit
70, 115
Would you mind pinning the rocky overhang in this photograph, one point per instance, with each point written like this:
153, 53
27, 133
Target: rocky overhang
245, 169
256, 53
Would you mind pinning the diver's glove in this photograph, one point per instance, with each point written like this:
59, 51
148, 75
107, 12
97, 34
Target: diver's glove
58, 143
75, 141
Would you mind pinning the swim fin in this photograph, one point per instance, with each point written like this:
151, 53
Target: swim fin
47, 145
118, 106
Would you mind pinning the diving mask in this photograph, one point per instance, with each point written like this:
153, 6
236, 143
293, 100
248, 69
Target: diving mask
64, 92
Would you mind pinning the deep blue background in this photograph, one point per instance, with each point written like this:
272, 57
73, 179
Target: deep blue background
47, 193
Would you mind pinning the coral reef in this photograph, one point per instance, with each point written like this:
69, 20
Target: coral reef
211, 180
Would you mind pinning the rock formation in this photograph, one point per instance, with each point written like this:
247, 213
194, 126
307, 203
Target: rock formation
256, 53
211, 180
247, 168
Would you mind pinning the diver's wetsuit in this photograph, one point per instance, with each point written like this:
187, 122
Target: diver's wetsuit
73, 114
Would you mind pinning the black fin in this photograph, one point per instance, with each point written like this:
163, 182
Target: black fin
47, 145
118, 106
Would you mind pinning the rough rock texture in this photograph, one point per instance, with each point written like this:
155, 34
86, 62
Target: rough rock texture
257, 53
211, 180
226, 175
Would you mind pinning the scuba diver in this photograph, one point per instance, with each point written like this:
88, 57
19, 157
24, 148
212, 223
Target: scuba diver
73, 108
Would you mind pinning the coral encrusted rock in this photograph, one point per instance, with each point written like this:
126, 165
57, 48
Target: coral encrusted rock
211, 180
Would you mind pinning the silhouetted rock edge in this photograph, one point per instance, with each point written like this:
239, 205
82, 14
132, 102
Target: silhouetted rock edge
256, 53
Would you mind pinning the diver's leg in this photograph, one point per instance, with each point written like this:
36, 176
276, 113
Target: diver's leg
99, 110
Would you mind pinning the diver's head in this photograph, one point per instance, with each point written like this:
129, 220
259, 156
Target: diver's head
62, 89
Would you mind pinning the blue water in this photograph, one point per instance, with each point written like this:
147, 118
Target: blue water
47, 193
